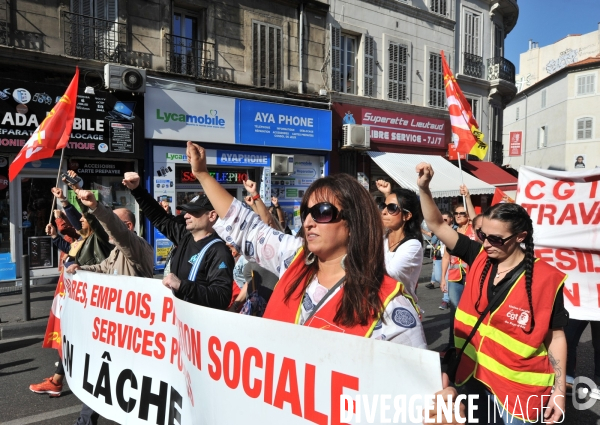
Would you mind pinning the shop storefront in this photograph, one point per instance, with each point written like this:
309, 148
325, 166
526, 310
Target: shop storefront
106, 141
283, 148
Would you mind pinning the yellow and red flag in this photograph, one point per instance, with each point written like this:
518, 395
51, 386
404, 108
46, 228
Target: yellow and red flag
52, 134
53, 337
465, 130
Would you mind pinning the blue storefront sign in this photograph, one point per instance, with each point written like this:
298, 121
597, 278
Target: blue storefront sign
254, 159
271, 124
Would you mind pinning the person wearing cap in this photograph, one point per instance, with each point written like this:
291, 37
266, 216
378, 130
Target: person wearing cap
200, 270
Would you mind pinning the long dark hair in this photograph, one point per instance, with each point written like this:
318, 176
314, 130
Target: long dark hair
408, 200
364, 263
519, 221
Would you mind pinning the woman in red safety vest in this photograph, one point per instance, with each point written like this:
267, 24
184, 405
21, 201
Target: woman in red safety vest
516, 358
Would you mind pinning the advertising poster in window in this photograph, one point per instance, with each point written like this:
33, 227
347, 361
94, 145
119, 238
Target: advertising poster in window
105, 123
516, 140
40, 252
162, 246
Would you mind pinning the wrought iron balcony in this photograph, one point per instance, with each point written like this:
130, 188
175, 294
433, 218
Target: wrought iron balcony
15, 37
500, 69
472, 65
92, 38
191, 57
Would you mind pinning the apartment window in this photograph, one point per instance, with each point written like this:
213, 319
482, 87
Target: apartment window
369, 65
93, 30
517, 113
187, 55
474, 104
437, 93
348, 64
586, 84
584, 128
542, 137
266, 55
498, 42
440, 7
471, 34
397, 72
543, 98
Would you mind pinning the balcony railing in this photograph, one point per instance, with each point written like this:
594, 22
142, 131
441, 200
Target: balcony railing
186, 56
92, 38
500, 69
473, 65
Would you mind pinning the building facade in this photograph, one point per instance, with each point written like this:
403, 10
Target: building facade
554, 123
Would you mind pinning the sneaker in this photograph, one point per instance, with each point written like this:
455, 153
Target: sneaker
47, 386
444, 305
430, 285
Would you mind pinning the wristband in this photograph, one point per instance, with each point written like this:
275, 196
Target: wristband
255, 197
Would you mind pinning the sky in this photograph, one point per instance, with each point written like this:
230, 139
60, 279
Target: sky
547, 21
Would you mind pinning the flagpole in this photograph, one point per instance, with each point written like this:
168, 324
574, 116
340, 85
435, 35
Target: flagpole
461, 182
62, 154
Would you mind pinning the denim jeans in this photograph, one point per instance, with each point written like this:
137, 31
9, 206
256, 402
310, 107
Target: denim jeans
436, 271
455, 290
573, 332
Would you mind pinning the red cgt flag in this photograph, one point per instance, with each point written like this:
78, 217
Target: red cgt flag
501, 198
52, 134
53, 338
466, 135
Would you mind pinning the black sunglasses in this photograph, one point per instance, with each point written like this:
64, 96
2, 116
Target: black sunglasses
393, 209
323, 212
493, 240
461, 213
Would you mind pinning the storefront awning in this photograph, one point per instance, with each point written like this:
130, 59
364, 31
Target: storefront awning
492, 174
446, 181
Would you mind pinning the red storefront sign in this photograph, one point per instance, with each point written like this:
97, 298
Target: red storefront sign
516, 139
396, 128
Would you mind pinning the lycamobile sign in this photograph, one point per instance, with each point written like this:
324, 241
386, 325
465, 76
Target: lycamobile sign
208, 120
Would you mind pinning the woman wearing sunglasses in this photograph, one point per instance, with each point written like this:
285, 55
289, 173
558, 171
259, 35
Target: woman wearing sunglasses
403, 243
333, 277
518, 353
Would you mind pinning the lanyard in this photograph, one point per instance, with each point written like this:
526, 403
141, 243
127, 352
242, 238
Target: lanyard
325, 298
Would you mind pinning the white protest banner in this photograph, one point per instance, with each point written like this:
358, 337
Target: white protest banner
137, 355
565, 210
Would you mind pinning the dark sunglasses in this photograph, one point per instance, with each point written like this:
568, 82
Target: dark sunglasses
461, 213
393, 209
323, 212
493, 240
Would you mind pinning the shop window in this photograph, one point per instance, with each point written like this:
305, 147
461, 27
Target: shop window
437, 92
584, 128
397, 72
266, 55
4, 207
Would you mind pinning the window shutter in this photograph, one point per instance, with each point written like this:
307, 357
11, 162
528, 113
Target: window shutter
588, 128
336, 34
539, 138
545, 136
517, 113
397, 54
369, 66
580, 129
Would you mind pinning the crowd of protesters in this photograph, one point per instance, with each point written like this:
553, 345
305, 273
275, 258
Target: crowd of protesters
354, 265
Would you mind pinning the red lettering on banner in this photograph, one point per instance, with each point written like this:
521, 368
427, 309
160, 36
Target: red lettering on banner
580, 261
598, 292
159, 341
288, 374
593, 188
123, 334
269, 378
146, 343
529, 208
252, 391
137, 334
567, 192
549, 215
309, 397
174, 349
339, 381
574, 296
566, 260
585, 216
568, 214
167, 308
530, 185
214, 345
96, 331
231, 364
110, 334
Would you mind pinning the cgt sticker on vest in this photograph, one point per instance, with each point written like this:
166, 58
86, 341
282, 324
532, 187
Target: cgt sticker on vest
403, 317
517, 316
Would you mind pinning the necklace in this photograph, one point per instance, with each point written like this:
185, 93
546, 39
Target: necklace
507, 270
393, 245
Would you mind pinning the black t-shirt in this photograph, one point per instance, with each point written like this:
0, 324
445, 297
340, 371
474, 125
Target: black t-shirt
467, 250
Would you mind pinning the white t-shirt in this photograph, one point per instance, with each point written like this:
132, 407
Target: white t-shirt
405, 264
275, 251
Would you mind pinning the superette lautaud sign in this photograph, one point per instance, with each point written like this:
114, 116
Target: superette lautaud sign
173, 115
105, 124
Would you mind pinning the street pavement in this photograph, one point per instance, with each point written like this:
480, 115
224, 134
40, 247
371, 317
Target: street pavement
23, 361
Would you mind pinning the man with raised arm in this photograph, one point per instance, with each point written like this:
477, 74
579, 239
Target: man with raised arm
201, 268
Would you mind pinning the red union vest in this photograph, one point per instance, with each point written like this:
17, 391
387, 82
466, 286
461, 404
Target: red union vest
457, 268
510, 363
289, 312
